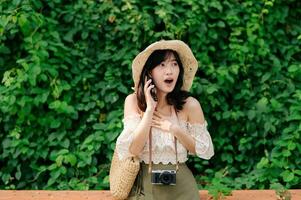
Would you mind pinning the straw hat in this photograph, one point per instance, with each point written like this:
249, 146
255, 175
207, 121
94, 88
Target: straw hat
187, 58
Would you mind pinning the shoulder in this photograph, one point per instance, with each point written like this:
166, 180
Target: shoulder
130, 105
193, 110
192, 103
131, 98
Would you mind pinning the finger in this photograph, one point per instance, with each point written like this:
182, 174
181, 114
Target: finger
156, 113
156, 122
147, 83
156, 126
147, 80
149, 88
156, 118
147, 92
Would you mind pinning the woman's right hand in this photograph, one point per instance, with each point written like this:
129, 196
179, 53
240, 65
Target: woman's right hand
150, 102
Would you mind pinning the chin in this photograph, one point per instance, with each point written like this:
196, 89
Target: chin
169, 90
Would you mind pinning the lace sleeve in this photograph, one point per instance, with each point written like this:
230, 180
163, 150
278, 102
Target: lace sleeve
125, 139
203, 143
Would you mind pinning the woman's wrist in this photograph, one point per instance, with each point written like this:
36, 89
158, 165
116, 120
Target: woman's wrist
148, 114
149, 110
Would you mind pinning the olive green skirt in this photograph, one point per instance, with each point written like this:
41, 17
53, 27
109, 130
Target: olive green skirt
185, 188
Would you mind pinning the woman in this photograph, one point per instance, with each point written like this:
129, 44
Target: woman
162, 123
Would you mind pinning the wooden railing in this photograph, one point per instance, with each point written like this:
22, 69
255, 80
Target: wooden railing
105, 195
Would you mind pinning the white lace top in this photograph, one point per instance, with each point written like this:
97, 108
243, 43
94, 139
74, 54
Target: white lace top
163, 147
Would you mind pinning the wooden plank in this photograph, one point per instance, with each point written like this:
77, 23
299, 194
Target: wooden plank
54, 195
105, 195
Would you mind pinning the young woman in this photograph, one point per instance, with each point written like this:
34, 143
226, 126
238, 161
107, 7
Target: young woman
162, 123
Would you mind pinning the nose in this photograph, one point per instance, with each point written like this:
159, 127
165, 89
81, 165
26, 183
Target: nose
168, 69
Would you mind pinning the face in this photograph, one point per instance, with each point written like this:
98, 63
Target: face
165, 74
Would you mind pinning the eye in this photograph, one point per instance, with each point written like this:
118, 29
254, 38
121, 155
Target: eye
162, 64
175, 64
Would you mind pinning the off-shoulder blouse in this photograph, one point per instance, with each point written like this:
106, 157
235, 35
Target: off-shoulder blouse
163, 148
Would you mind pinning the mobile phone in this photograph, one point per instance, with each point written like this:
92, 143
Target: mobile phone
153, 90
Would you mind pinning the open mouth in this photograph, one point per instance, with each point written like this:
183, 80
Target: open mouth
168, 81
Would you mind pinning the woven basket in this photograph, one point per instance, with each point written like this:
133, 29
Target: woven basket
122, 176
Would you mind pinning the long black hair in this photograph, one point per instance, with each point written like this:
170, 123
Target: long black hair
176, 97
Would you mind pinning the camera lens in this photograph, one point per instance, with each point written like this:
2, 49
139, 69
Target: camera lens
165, 178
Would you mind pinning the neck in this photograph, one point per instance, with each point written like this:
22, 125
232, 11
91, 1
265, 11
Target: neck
162, 103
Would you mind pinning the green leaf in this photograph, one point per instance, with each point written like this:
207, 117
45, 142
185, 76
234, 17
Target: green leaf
262, 104
99, 126
251, 114
293, 68
71, 158
34, 71
52, 166
18, 173
287, 176
84, 35
211, 89
55, 104
221, 24
59, 160
263, 163
69, 36
291, 146
265, 77
4, 49
63, 151
5, 178
297, 171
24, 24
55, 124
286, 153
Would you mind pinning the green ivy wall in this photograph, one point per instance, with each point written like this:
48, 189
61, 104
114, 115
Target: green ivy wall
65, 70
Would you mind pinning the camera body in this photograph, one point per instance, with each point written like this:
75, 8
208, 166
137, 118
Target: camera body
164, 177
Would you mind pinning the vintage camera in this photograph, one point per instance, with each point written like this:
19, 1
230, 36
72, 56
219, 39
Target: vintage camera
164, 177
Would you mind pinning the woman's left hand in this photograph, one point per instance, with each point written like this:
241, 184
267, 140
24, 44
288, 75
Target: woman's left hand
161, 122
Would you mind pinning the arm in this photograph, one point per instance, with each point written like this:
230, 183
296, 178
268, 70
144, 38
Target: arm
142, 131
195, 115
185, 139
198, 130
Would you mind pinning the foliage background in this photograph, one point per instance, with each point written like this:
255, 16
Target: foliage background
66, 70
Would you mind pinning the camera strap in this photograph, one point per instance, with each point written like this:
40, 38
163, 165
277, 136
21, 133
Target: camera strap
150, 151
